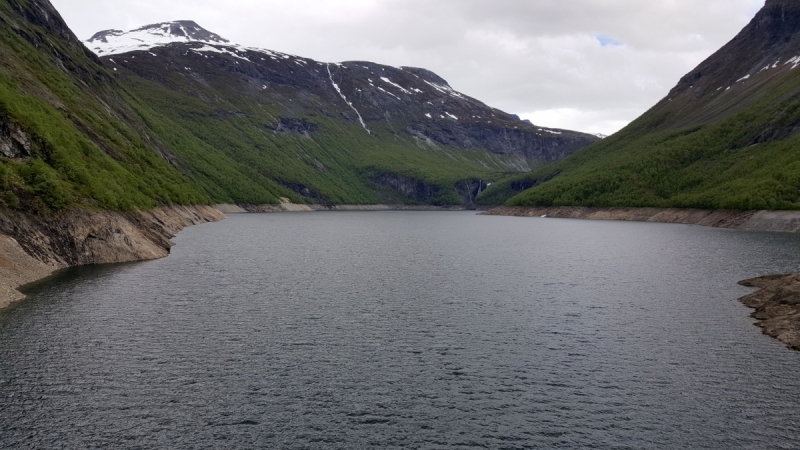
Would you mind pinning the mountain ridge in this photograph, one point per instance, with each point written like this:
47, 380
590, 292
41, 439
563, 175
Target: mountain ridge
411, 111
217, 44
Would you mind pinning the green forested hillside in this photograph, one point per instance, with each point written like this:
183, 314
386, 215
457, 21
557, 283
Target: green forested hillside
236, 150
725, 137
66, 136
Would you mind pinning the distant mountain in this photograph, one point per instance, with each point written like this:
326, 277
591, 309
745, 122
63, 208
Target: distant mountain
725, 137
405, 109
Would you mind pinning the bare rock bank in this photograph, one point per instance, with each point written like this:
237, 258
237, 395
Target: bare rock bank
34, 246
780, 221
777, 306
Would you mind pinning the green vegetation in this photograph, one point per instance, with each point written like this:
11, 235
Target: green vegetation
748, 159
231, 148
82, 143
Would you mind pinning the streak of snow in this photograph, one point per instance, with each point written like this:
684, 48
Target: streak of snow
444, 89
451, 116
338, 90
428, 115
794, 62
743, 78
387, 92
386, 80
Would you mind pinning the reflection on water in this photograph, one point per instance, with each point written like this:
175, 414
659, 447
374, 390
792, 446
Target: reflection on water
402, 329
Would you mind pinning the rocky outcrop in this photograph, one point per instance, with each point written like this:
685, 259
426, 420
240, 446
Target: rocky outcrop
777, 306
33, 246
415, 190
14, 142
777, 221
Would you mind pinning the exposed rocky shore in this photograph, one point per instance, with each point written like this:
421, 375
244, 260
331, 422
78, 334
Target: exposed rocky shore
777, 306
780, 221
34, 246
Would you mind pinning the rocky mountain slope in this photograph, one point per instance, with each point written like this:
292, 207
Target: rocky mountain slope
724, 137
354, 132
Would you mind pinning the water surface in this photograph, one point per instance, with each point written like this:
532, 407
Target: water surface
407, 330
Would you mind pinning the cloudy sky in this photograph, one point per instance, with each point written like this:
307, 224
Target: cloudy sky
588, 65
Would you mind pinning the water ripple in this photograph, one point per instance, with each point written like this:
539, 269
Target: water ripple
407, 330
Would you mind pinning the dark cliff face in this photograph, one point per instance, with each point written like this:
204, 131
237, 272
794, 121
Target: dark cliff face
49, 33
41, 13
771, 38
429, 109
761, 57
414, 102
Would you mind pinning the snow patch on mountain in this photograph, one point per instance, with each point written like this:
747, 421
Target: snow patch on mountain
114, 42
388, 81
222, 50
444, 89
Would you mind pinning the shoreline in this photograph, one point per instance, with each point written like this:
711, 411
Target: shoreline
774, 221
292, 207
34, 247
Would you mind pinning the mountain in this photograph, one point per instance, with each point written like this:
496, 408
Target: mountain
253, 125
725, 137
67, 135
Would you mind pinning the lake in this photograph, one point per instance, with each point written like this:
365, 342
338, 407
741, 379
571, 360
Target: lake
407, 330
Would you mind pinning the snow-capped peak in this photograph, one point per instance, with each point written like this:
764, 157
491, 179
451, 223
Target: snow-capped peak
113, 42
